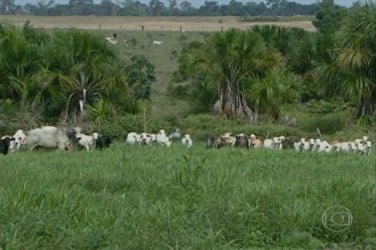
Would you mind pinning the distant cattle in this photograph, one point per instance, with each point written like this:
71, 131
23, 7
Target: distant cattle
157, 43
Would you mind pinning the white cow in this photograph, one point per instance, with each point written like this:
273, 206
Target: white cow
47, 137
111, 40
87, 141
19, 139
162, 139
133, 138
147, 138
157, 43
187, 141
269, 144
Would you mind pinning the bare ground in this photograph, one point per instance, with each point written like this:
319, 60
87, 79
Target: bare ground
149, 23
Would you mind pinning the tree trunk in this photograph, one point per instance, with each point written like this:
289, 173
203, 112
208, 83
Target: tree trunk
232, 103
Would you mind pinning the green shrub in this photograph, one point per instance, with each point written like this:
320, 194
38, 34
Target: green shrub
120, 126
327, 124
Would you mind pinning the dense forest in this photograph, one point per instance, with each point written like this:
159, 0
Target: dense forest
158, 8
49, 76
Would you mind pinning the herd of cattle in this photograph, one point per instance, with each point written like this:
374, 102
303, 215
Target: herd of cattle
69, 138
361, 146
53, 137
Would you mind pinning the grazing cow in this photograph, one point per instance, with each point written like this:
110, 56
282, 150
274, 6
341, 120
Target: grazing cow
133, 138
175, 135
4, 144
147, 138
162, 139
324, 146
216, 142
287, 143
87, 141
111, 40
228, 140
278, 142
187, 141
269, 144
19, 139
365, 148
157, 43
48, 137
103, 141
241, 141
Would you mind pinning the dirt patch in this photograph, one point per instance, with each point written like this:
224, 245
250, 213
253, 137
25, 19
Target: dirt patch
149, 23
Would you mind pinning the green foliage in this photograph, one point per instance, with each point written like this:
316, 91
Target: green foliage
259, 19
205, 125
140, 76
271, 92
328, 124
351, 69
133, 42
121, 125
329, 17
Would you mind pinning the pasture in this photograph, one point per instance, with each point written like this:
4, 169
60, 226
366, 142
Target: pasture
151, 197
152, 23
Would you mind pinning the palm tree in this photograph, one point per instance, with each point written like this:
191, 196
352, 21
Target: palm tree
353, 68
271, 92
18, 60
228, 60
84, 68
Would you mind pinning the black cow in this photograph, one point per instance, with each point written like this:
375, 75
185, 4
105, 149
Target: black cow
103, 141
4, 145
241, 141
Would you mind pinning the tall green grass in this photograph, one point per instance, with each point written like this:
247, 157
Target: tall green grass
153, 197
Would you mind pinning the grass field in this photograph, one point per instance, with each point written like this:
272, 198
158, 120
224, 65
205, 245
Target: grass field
142, 198
151, 23
152, 197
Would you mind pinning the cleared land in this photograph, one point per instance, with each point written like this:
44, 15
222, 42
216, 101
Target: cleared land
150, 23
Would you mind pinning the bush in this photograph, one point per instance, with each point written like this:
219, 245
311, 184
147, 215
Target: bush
122, 125
258, 19
327, 124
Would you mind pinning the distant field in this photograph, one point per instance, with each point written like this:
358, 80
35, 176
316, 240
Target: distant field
157, 198
153, 23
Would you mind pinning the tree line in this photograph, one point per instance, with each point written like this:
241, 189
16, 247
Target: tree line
159, 8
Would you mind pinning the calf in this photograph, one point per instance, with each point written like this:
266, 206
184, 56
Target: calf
87, 141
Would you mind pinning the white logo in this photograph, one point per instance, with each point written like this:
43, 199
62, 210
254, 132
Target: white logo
337, 218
